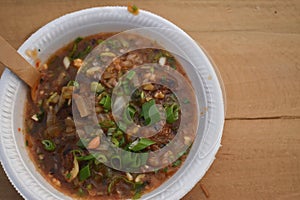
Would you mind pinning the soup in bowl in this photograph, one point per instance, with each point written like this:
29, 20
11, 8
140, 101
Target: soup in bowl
78, 141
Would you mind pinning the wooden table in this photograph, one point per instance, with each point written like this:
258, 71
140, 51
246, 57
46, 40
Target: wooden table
256, 46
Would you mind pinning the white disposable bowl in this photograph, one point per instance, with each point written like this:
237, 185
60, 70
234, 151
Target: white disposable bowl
14, 157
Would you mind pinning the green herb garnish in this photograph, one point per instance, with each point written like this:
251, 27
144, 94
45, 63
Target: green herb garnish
48, 145
140, 144
172, 113
84, 173
150, 113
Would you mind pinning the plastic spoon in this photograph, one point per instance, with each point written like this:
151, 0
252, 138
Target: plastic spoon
10, 58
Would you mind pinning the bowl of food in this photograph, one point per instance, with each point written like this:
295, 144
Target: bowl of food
128, 107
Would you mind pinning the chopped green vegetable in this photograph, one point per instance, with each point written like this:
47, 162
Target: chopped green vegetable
80, 192
116, 162
122, 126
150, 112
172, 113
114, 44
75, 47
128, 114
138, 190
85, 52
89, 186
118, 133
96, 87
82, 143
142, 95
77, 40
68, 175
73, 83
107, 124
165, 169
99, 41
48, 145
84, 173
106, 102
130, 75
111, 130
100, 158
176, 163
140, 144
88, 157
115, 180
115, 141
172, 62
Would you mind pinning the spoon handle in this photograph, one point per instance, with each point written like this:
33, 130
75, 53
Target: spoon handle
17, 64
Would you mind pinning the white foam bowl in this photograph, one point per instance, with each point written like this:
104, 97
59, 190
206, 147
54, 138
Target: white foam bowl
13, 154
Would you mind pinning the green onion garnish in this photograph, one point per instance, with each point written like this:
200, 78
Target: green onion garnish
107, 124
176, 163
73, 83
116, 162
84, 173
150, 112
96, 87
172, 113
48, 145
88, 157
141, 144
130, 75
106, 102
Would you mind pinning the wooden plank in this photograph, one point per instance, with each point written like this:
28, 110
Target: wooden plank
261, 71
259, 159
19, 19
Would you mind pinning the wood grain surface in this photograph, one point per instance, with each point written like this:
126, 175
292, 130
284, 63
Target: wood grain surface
256, 47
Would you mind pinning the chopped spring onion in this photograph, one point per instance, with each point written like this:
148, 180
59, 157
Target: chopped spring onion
74, 172
48, 145
122, 126
172, 113
84, 173
114, 44
130, 75
130, 160
128, 114
73, 83
115, 141
116, 162
75, 47
53, 98
106, 102
88, 157
150, 112
77, 40
108, 54
107, 124
141, 144
100, 159
142, 95
96, 87
115, 180
99, 41
82, 143
176, 163
80, 192
85, 52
